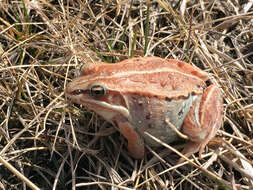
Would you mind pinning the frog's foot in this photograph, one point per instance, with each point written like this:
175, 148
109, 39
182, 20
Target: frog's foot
203, 120
135, 141
189, 149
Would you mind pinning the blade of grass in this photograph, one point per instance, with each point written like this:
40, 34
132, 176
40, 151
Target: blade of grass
146, 28
18, 174
133, 45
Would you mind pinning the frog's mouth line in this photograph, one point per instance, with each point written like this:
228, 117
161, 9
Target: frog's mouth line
104, 109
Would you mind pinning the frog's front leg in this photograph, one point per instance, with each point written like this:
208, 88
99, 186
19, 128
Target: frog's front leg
203, 120
135, 141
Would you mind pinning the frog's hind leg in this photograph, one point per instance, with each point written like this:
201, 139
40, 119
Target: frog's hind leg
203, 120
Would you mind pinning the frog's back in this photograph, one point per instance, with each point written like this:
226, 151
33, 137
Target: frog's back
149, 76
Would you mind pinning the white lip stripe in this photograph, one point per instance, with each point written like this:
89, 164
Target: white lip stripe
129, 73
118, 108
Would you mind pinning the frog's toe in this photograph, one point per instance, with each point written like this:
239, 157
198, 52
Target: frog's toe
189, 149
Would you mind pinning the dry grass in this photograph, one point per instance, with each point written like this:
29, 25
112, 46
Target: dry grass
54, 145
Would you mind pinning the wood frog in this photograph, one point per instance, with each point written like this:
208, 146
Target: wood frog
143, 94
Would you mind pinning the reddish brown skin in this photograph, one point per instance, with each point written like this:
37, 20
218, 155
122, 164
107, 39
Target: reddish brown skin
175, 82
142, 84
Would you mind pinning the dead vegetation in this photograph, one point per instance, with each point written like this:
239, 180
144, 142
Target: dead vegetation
53, 145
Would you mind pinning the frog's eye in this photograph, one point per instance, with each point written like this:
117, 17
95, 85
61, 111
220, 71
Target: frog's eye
97, 91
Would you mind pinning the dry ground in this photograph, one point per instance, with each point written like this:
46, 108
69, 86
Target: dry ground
56, 145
